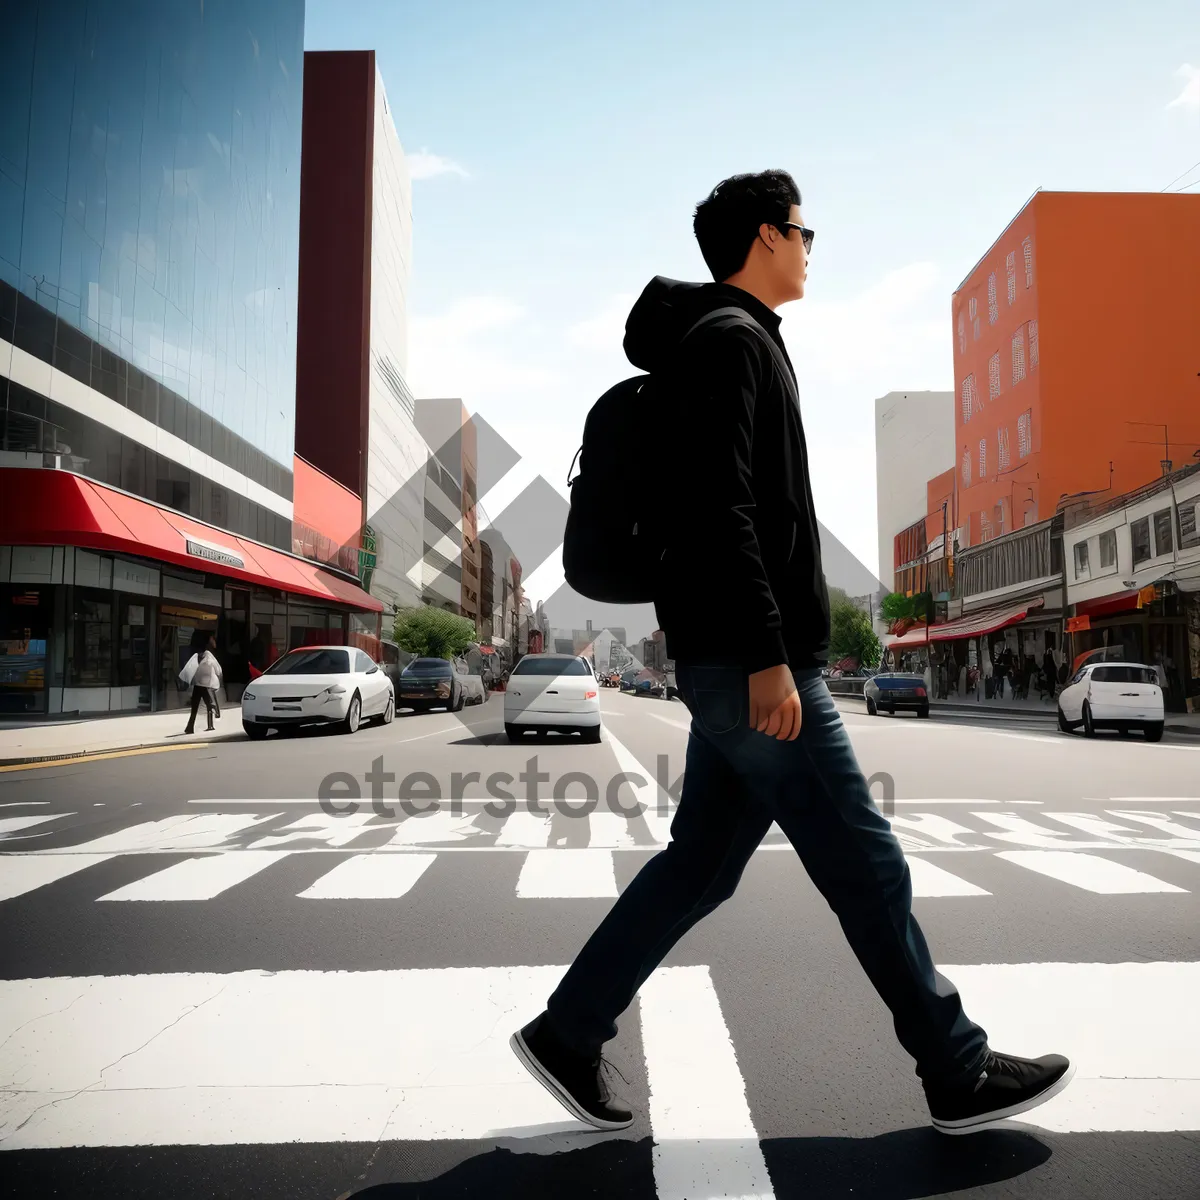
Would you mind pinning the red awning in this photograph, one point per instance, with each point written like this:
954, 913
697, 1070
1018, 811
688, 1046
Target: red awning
1105, 605
976, 625
56, 508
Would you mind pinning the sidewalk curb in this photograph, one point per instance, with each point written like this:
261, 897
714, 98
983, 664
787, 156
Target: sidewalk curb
34, 759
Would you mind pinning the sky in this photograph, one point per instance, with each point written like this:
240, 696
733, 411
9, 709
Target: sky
558, 151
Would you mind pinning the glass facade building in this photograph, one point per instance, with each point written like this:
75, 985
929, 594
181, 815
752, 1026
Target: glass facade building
149, 241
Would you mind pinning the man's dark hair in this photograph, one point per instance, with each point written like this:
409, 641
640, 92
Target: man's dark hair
727, 222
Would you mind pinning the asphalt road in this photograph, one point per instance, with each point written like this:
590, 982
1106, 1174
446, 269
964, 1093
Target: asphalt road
210, 987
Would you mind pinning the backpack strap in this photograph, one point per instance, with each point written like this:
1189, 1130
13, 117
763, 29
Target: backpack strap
743, 317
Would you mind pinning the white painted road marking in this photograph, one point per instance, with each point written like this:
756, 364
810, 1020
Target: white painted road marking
929, 879
198, 878
21, 873
567, 874
12, 824
371, 877
1089, 871
705, 1143
1126, 1026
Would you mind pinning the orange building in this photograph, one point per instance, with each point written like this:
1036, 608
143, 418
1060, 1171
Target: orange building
1076, 355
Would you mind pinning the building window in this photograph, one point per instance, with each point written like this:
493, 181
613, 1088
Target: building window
1002, 452
993, 301
966, 468
1162, 532
1030, 515
962, 333
1001, 517
1027, 247
1189, 524
994, 376
982, 458
973, 313
985, 528
1012, 276
1018, 356
1108, 550
1081, 560
1033, 345
1139, 536
968, 398
1025, 433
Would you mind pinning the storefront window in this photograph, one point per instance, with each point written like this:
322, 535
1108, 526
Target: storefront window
133, 646
25, 622
91, 640
364, 633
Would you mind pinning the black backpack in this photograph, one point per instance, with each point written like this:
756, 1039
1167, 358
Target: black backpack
614, 537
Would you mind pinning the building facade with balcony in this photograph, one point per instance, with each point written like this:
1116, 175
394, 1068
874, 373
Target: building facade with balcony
149, 223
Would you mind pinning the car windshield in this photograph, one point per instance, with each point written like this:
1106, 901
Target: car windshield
551, 665
428, 667
1125, 674
311, 662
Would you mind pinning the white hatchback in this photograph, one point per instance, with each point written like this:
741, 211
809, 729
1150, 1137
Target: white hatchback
318, 685
1113, 695
552, 693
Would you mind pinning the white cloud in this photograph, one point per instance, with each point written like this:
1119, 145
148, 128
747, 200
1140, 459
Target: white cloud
424, 165
606, 330
1189, 96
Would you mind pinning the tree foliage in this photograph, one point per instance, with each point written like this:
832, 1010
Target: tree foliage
851, 634
899, 607
430, 632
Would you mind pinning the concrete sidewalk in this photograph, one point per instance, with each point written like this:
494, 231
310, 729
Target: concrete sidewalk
1187, 723
24, 741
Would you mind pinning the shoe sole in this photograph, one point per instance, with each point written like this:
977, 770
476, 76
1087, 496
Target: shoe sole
997, 1118
531, 1064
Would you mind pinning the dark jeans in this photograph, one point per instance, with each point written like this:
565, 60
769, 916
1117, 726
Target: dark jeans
736, 782
200, 694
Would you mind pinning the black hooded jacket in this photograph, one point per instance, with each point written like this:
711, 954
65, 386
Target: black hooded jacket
741, 581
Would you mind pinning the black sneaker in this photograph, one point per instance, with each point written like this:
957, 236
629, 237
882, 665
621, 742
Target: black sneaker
575, 1081
1006, 1087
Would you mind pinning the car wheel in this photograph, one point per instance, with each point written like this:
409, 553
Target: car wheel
389, 712
1089, 730
592, 736
1063, 724
456, 705
872, 711
1154, 731
514, 733
353, 715
923, 713
255, 733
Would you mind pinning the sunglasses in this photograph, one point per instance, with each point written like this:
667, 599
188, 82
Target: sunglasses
806, 233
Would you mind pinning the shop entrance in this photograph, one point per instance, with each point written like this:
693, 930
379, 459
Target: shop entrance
182, 631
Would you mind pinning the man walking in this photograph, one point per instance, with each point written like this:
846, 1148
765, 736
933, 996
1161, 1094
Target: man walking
205, 680
766, 743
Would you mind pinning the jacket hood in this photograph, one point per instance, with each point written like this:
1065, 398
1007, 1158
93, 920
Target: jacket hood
664, 312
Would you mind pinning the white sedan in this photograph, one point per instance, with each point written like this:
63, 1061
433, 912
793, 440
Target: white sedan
1113, 695
318, 685
552, 693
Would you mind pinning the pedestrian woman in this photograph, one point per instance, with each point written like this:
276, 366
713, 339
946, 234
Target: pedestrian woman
205, 680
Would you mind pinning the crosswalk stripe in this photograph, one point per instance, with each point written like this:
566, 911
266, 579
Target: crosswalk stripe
1190, 855
1091, 872
1124, 1025
567, 874
705, 1143
12, 824
525, 829
22, 873
198, 878
188, 831
426, 830
322, 826
370, 877
928, 879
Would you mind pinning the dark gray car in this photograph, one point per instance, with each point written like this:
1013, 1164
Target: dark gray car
896, 691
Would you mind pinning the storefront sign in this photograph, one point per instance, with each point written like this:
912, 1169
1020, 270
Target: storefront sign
1078, 624
217, 554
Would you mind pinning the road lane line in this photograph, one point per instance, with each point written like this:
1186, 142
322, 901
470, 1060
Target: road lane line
1119, 1023
22, 873
931, 880
71, 760
197, 878
648, 795
705, 1143
1088, 871
568, 874
370, 877
12, 824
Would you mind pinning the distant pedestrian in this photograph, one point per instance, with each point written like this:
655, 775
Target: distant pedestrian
766, 743
205, 677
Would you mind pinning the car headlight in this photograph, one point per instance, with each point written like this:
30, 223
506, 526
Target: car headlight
247, 695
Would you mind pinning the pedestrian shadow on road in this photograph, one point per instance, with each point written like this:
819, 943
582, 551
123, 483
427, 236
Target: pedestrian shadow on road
908, 1164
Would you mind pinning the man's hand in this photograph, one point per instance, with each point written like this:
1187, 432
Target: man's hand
775, 703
